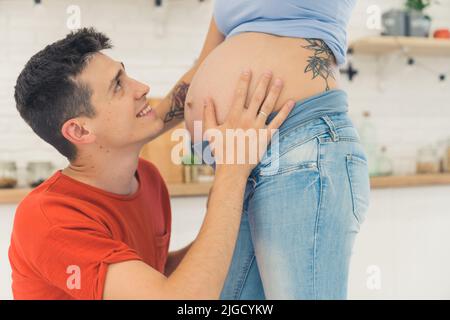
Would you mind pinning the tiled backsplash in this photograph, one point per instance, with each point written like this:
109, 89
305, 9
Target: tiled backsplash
410, 107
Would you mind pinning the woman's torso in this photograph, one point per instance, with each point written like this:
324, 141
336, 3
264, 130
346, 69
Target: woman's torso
306, 66
280, 36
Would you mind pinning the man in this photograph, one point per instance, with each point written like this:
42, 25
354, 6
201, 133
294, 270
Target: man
100, 228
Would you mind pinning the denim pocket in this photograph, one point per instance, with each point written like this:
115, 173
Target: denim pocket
288, 158
358, 175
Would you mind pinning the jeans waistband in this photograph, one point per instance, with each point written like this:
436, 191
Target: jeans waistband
315, 107
329, 102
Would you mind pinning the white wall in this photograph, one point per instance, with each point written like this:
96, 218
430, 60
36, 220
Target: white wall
410, 107
402, 250
133, 26
405, 233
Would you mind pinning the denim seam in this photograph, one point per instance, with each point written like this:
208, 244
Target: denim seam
346, 139
356, 158
305, 121
316, 226
319, 134
247, 266
251, 192
258, 170
286, 131
298, 144
349, 158
332, 128
297, 167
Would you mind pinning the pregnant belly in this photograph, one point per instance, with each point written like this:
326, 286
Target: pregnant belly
288, 59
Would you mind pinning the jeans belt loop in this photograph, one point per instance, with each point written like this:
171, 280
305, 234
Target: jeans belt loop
332, 128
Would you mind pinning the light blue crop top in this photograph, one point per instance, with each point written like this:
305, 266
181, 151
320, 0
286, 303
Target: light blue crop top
319, 19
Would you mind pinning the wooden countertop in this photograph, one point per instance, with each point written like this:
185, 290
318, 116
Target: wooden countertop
175, 190
202, 189
417, 180
413, 45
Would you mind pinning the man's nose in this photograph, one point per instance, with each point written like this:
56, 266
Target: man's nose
141, 90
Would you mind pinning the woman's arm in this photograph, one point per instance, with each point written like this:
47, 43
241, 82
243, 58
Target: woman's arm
171, 108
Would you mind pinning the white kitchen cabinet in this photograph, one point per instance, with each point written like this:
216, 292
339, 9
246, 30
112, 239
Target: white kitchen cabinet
404, 243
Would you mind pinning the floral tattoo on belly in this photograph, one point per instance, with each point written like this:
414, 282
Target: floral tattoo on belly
177, 102
322, 62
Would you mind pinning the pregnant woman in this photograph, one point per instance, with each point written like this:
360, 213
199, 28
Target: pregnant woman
300, 220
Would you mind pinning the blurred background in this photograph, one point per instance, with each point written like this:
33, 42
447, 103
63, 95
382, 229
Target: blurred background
397, 78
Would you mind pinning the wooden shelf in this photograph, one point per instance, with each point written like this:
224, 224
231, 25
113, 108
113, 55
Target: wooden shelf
388, 44
12, 195
189, 189
202, 188
410, 181
175, 190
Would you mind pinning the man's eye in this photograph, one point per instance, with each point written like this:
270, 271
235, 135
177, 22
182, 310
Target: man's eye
118, 86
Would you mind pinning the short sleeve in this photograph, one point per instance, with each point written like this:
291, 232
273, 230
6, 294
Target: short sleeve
75, 259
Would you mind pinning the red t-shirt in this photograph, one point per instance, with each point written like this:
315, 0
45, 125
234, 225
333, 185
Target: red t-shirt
66, 233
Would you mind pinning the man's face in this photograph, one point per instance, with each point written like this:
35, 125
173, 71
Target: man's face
118, 101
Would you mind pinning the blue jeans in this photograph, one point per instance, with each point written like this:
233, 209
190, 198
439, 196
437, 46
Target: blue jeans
301, 215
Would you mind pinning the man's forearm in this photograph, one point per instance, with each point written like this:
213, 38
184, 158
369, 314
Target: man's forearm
171, 108
202, 272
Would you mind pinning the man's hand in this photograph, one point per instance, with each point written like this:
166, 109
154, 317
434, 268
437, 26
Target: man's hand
244, 123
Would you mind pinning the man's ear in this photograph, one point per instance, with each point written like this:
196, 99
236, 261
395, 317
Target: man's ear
77, 132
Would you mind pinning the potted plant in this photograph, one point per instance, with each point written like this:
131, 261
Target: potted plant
418, 5
419, 22
411, 21
190, 172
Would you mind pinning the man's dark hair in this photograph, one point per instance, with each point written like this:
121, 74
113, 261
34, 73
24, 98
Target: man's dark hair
47, 93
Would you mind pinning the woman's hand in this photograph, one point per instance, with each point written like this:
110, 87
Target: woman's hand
245, 124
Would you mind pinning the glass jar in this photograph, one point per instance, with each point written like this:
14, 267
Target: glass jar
443, 150
205, 173
194, 173
384, 163
190, 170
187, 173
38, 172
368, 134
446, 157
427, 160
8, 174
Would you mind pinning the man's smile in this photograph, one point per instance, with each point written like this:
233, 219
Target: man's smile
146, 110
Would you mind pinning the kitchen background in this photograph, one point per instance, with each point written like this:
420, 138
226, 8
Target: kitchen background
399, 99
